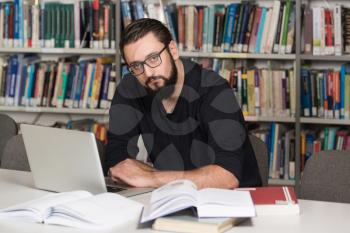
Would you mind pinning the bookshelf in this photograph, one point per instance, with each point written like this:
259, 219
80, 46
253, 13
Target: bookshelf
225, 55
22, 109
342, 58
319, 62
49, 115
58, 51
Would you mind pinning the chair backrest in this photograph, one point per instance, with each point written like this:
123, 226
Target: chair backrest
8, 128
15, 156
262, 157
326, 177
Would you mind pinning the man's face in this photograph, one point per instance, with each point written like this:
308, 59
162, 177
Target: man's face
160, 79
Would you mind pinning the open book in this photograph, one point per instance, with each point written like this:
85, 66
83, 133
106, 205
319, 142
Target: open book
78, 209
209, 202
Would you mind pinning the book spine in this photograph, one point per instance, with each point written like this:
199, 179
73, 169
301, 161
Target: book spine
230, 18
255, 28
273, 27
244, 95
291, 31
347, 99
329, 50
181, 26
2, 16
281, 35
338, 39
258, 44
336, 93
308, 37
16, 38
18, 80
11, 25
244, 27
283, 41
249, 29
239, 27
279, 27
104, 103
211, 27
316, 36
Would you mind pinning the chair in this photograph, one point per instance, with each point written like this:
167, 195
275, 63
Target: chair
262, 157
326, 177
15, 156
8, 128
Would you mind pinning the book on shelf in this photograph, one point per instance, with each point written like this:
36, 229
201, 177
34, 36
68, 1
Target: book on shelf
186, 221
280, 143
47, 24
259, 91
69, 83
79, 209
274, 200
330, 29
235, 27
209, 202
324, 93
329, 138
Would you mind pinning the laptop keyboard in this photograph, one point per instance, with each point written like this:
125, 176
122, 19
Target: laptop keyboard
114, 189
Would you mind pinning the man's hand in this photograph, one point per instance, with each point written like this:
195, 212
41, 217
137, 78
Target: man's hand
133, 173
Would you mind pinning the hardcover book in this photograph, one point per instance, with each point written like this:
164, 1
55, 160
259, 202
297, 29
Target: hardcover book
274, 200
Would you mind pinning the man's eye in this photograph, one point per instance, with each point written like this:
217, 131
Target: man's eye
153, 58
136, 66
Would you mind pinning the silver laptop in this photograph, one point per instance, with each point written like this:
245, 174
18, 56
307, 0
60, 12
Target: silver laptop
65, 160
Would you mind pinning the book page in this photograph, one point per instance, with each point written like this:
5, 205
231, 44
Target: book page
37, 210
174, 196
101, 211
214, 202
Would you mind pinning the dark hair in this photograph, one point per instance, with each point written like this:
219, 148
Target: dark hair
141, 27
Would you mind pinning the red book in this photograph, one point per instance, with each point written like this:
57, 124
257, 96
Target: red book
328, 28
199, 43
274, 200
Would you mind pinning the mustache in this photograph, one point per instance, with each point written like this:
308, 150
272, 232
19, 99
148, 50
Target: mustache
151, 78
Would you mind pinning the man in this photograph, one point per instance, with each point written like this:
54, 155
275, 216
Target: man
188, 117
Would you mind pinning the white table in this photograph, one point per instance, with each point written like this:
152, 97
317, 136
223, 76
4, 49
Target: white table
319, 217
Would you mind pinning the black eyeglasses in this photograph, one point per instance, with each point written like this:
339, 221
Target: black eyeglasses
152, 61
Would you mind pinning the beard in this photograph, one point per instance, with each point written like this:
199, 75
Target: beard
169, 83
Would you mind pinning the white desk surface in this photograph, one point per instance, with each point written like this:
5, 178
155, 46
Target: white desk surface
319, 217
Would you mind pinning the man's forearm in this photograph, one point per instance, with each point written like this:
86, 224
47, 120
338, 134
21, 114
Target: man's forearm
212, 176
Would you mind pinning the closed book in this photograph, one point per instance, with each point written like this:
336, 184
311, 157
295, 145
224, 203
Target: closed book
274, 200
254, 32
186, 221
338, 38
308, 27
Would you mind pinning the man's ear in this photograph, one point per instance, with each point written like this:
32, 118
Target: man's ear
174, 51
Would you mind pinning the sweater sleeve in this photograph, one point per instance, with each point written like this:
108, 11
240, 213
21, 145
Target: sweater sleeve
227, 134
124, 130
